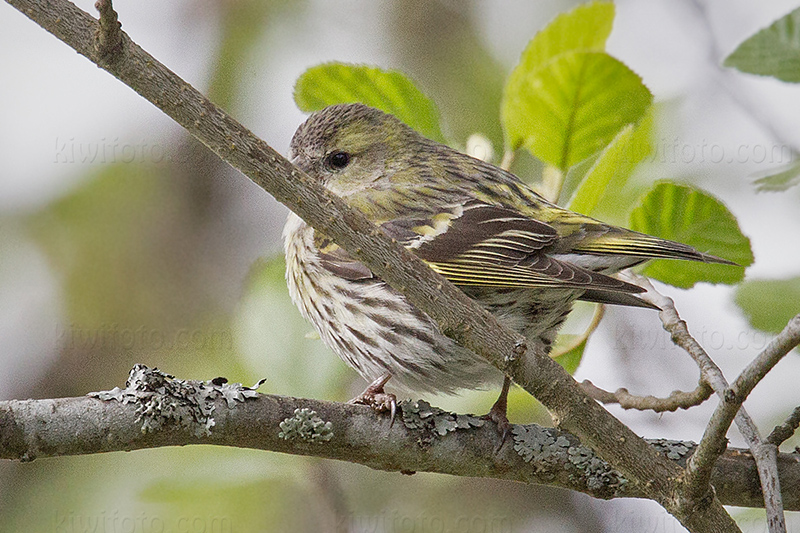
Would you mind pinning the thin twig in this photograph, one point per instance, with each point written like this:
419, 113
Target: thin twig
676, 400
786, 430
731, 409
109, 36
508, 159
552, 182
714, 441
776, 350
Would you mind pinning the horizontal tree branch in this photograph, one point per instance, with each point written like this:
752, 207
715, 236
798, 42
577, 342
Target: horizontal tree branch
155, 411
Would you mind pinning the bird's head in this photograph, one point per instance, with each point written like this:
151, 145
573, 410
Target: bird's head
353, 147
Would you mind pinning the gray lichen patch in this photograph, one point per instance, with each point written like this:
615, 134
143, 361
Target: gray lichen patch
547, 450
306, 425
433, 422
163, 400
673, 449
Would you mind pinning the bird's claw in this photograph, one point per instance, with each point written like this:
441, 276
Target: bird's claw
498, 416
380, 401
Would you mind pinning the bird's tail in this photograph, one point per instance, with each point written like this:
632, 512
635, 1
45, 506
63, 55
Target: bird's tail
635, 244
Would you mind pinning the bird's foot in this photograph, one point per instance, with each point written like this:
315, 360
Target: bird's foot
379, 400
497, 414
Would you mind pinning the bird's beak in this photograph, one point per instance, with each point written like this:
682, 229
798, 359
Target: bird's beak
299, 161
296, 162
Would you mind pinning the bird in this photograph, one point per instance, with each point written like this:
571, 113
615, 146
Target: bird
522, 258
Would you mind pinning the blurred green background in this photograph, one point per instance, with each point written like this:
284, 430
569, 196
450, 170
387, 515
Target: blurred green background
124, 241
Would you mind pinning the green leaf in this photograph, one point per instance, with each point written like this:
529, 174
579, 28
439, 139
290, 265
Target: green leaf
685, 214
780, 181
615, 165
585, 28
387, 90
566, 99
773, 51
769, 304
572, 359
573, 106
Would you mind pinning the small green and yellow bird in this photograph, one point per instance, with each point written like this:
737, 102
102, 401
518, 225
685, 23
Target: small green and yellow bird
523, 258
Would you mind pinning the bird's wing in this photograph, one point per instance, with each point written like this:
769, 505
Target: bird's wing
477, 244
480, 244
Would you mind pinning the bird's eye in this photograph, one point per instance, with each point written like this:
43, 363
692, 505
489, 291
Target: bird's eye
338, 160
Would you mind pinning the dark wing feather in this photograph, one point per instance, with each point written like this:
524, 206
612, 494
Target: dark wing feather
337, 261
495, 229
494, 246
616, 298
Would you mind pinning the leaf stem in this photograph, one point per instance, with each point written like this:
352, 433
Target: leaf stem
552, 182
508, 159
599, 312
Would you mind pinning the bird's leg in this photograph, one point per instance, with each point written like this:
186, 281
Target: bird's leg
375, 397
497, 413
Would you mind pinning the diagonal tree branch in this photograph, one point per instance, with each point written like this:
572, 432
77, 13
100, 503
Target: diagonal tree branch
155, 411
458, 316
730, 409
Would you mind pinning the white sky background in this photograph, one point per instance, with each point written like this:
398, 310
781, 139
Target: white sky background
50, 95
